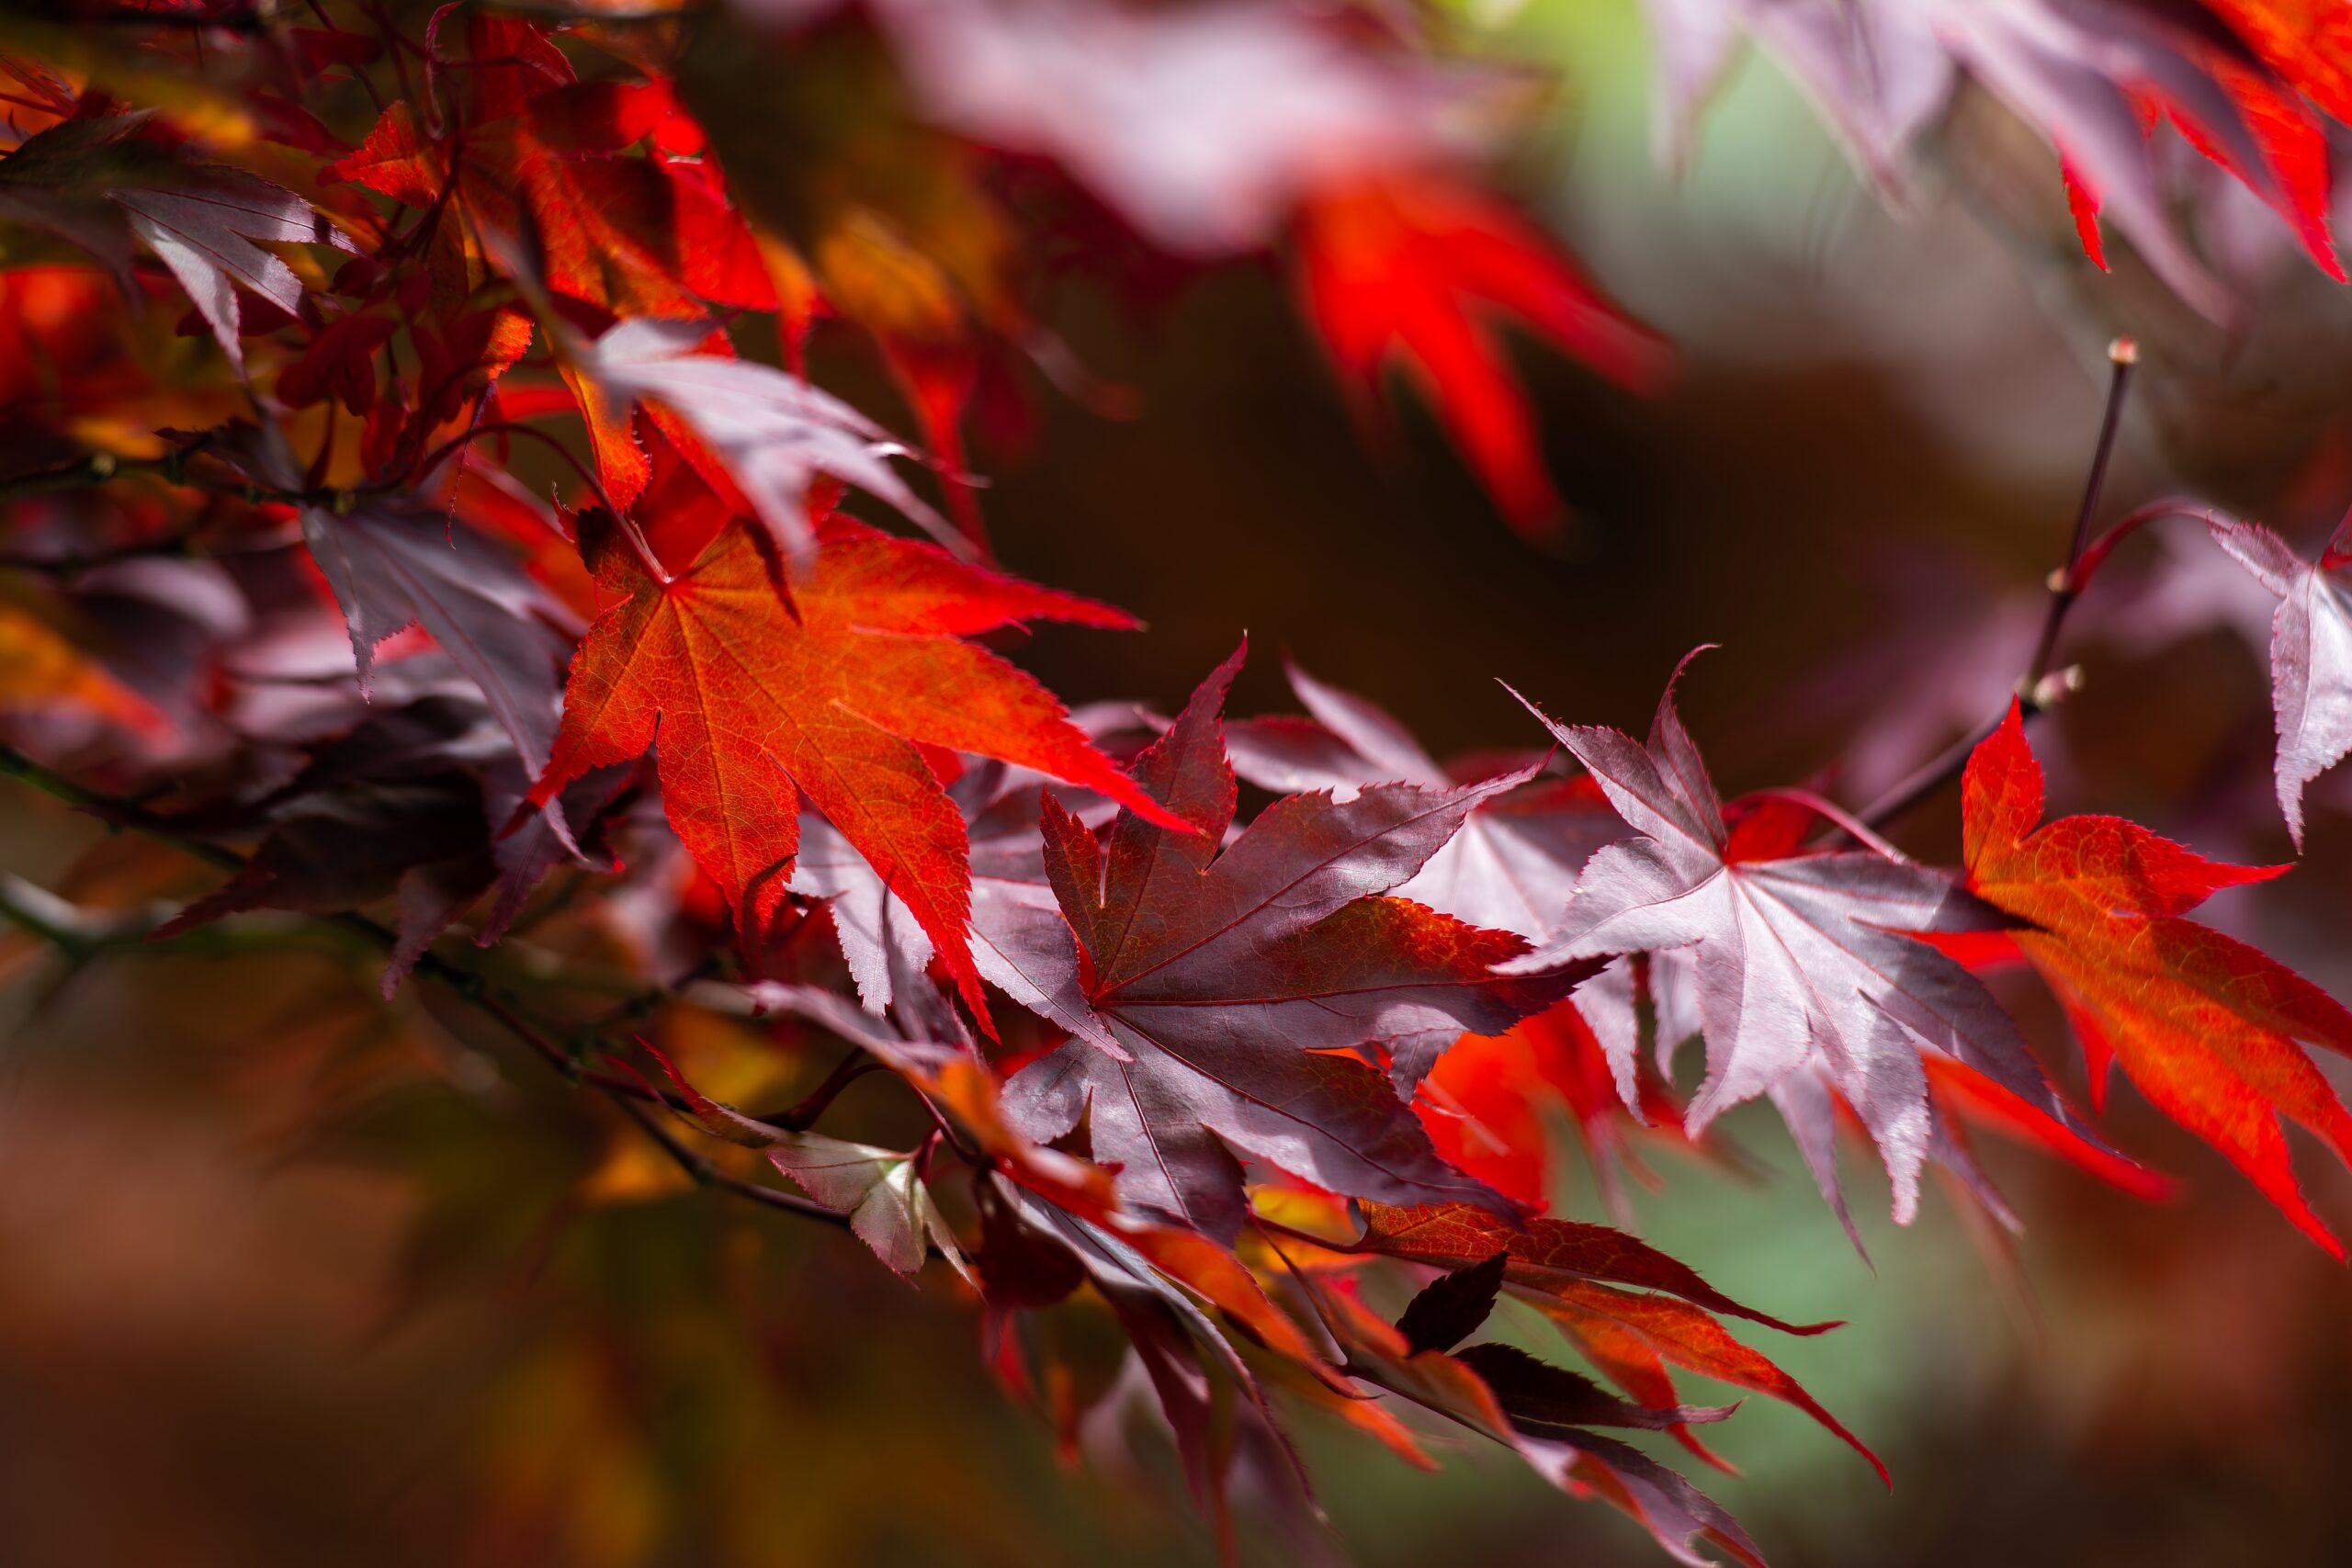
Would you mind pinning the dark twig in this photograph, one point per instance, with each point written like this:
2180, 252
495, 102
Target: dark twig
625, 1096
706, 1174
2039, 690
171, 468
2067, 584
113, 813
247, 20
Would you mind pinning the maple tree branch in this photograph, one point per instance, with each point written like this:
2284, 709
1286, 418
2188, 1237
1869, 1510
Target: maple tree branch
706, 1173
171, 468
1275, 1227
97, 468
637, 999
247, 20
76, 562
2036, 690
114, 812
469, 987
942, 1128
2066, 585
40, 913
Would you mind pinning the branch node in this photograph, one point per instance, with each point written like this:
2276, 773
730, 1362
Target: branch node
2054, 688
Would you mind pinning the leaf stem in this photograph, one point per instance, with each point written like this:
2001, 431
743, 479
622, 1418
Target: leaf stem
2132, 522
423, 468
171, 468
804, 1115
1275, 1227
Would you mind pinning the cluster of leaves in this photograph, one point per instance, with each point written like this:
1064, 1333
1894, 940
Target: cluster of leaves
2120, 89
293, 303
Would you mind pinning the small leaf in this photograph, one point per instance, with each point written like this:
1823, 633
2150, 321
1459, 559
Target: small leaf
1452, 1307
1539, 1396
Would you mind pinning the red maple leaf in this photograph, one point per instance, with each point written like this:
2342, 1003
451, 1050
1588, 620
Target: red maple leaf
1490, 1100
2309, 42
2204, 1025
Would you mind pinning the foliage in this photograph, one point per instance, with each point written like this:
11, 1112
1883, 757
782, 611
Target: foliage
442, 382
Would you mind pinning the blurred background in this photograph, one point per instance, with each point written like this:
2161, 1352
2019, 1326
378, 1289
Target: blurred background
273, 1290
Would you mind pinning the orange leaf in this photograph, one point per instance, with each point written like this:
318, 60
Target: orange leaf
1561, 1266
1976, 1099
750, 702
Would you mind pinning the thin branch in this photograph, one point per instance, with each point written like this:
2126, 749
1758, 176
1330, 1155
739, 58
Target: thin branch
706, 1174
171, 468
469, 987
42, 914
2038, 690
942, 1128
2068, 585
248, 20
97, 468
1275, 1227
113, 812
